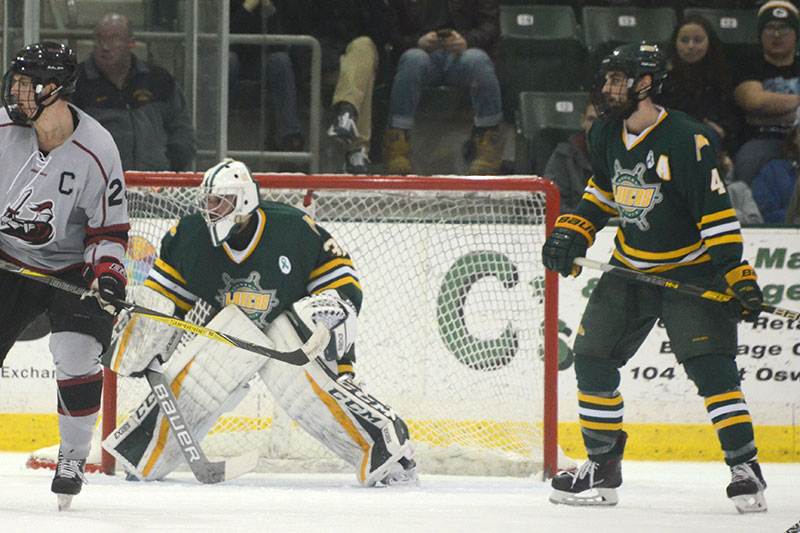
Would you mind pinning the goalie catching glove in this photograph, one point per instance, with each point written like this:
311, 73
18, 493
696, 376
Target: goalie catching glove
332, 311
106, 282
743, 286
570, 238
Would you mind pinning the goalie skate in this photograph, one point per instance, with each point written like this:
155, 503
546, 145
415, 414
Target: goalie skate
593, 483
746, 489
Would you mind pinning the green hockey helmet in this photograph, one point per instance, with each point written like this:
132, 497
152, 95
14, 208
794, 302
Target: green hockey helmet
635, 60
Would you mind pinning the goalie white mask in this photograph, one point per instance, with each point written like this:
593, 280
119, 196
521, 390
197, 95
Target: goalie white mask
228, 194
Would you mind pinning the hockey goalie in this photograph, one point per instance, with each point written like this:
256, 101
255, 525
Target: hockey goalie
271, 275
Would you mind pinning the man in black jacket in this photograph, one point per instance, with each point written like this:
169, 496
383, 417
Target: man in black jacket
139, 103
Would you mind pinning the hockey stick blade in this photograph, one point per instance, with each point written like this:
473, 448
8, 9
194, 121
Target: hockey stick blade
204, 470
297, 357
677, 286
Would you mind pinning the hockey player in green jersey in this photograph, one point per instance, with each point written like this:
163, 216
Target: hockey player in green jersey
270, 275
655, 169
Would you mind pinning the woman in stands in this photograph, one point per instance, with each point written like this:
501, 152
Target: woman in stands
700, 81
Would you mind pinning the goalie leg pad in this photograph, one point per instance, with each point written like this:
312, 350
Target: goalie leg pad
142, 337
208, 379
351, 423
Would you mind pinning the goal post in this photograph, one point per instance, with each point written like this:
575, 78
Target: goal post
458, 331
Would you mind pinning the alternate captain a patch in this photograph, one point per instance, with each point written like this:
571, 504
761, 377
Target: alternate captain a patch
249, 296
633, 196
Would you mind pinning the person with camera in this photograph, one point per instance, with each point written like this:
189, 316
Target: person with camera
445, 42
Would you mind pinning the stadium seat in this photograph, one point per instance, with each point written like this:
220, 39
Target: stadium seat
543, 120
542, 50
605, 28
736, 28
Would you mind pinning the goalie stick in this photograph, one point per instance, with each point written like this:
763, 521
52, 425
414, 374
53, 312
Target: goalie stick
204, 470
677, 286
298, 357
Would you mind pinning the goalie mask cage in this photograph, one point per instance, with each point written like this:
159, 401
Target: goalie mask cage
458, 331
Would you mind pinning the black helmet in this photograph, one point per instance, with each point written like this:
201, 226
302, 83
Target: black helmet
45, 63
634, 60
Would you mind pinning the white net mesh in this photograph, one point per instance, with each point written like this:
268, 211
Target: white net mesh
450, 332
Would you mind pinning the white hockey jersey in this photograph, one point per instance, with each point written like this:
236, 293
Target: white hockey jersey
64, 209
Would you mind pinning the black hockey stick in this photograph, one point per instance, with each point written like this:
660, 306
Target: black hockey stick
204, 470
677, 286
297, 357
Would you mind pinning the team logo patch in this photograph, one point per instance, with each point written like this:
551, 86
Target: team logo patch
248, 295
29, 221
284, 264
633, 196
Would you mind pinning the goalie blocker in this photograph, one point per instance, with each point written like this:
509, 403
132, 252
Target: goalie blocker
351, 423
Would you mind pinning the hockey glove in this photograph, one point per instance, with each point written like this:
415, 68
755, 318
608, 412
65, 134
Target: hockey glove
744, 288
336, 313
570, 238
107, 282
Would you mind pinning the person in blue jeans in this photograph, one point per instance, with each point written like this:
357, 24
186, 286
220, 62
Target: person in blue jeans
245, 62
445, 42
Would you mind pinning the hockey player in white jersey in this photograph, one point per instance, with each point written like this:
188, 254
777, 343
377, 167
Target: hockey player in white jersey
62, 212
271, 274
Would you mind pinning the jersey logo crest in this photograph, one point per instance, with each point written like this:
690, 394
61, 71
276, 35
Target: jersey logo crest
28, 222
248, 295
633, 196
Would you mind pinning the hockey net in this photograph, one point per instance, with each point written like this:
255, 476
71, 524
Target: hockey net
457, 332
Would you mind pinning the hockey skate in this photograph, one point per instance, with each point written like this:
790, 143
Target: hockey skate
746, 489
593, 483
391, 459
68, 480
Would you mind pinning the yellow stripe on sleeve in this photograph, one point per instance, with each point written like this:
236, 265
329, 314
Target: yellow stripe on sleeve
330, 265
719, 215
169, 270
182, 304
338, 283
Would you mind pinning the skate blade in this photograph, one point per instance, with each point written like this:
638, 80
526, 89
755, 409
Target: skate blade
750, 503
64, 501
595, 497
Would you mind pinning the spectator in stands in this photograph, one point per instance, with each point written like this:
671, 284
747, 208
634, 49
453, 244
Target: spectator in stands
139, 103
248, 16
699, 80
793, 211
445, 42
351, 34
741, 196
768, 90
774, 185
569, 167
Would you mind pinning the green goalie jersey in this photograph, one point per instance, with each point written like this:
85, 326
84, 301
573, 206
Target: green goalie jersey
289, 257
674, 212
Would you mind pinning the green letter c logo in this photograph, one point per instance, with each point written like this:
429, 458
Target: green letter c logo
477, 354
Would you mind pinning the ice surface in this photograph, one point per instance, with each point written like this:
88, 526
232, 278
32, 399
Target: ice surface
655, 497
